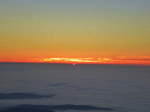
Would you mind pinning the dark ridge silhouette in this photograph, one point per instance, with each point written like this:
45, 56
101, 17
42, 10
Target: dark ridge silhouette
52, 108
9, 96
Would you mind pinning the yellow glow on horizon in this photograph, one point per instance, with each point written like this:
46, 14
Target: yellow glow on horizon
76, 60
99, 60
89, 60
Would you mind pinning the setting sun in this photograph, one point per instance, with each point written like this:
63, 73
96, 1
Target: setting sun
71, 60
144, 61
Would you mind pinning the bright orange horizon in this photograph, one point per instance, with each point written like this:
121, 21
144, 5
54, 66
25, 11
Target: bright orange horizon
135, 61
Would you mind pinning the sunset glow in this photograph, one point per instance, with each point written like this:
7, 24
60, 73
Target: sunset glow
135, 61
75, 31
138, 61
77, 60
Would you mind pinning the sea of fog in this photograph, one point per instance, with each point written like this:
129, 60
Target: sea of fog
74, 88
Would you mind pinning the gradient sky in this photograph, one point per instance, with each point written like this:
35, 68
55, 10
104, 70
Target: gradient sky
74, 28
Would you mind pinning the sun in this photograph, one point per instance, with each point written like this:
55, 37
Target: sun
77, 60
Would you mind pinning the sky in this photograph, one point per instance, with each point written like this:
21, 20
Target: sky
118, 29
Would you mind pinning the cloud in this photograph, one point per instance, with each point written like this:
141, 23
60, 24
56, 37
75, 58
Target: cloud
52, 108
11, 96
136, 59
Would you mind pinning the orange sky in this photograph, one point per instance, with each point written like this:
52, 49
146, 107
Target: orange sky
33, 31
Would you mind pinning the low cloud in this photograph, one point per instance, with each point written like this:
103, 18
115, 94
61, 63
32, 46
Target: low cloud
52, 108
11, 96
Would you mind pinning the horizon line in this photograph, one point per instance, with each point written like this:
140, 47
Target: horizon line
117, 64
89, 60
